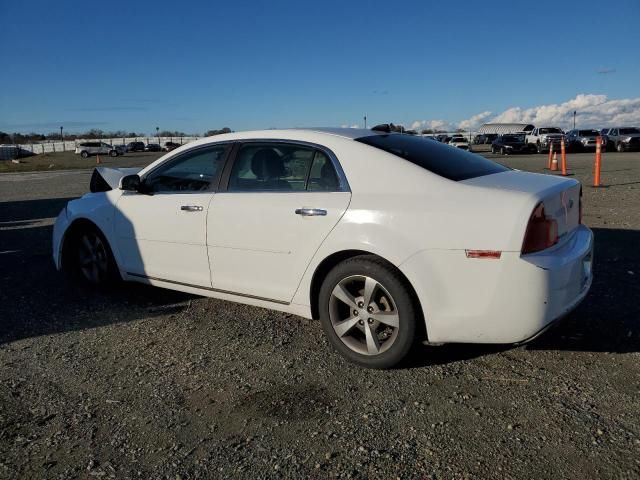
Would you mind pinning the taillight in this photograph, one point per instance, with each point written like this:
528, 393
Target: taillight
542, 232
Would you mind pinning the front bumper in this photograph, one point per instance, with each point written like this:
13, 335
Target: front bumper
630, 146
59, 227
508, 300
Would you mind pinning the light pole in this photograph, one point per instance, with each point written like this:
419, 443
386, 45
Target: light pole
61, 136
158, 134
365, 121
574, 119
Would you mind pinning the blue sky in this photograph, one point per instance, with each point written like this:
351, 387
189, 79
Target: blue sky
194, 66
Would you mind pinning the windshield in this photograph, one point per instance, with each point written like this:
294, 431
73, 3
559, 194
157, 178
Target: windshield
628, 131
549, 130
451, 163
588, 133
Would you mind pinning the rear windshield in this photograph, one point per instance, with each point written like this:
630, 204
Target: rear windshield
443, 160
588, 133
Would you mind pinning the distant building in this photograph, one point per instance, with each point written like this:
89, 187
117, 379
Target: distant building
504, 128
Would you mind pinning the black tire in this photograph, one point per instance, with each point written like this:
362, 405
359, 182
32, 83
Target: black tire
76, 252
493, 149
620, 147
390, 281
113, 153
84, 154
503, 151
539, 148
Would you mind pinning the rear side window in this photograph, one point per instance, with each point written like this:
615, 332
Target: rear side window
446, 161
323, 176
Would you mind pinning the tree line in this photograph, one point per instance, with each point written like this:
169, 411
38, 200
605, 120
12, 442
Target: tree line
95, 133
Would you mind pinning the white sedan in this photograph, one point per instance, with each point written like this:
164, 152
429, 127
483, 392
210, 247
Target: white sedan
460, 142
388, 239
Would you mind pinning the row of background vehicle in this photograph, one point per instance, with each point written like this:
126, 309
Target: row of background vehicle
86, 149
619, 139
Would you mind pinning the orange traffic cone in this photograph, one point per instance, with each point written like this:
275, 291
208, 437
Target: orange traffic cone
554, 162
98, 162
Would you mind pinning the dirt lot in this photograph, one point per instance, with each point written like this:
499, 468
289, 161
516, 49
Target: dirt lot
147, 383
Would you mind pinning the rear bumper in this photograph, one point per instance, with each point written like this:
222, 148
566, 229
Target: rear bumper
509, 300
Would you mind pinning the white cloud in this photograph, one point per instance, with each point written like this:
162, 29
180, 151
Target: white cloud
592, 111
475, 121
350, 126
432, 125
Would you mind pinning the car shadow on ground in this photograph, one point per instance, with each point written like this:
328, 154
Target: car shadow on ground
607, 321
36, 300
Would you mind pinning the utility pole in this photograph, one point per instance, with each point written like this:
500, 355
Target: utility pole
62, 139
365, 121
574, 119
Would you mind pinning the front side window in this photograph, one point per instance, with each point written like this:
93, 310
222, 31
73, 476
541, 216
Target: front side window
194, 171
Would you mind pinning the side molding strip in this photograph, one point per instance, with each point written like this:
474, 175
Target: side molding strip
209, 289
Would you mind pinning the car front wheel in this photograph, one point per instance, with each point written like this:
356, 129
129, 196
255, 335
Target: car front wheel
368, 312
620, 147
84, 154
88, 259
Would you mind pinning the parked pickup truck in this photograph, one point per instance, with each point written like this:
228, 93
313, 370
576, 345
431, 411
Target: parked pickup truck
541, 137
624, 138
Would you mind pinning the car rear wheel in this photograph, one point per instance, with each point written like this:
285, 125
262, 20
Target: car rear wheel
113, 153
367, 312
88, 258
84, 154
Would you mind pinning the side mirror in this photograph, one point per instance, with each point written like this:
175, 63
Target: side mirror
130, 183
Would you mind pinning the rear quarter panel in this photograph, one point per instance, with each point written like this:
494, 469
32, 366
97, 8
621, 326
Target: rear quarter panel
399, 209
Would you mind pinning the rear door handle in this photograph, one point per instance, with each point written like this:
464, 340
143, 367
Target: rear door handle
311, 212
191, 208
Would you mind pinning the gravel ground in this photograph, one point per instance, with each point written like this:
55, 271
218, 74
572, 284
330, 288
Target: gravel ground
142, 382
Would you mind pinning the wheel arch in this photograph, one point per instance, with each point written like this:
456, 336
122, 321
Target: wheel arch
74, 227
326, 265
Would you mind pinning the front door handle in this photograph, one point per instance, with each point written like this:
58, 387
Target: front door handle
191, 208
311, 212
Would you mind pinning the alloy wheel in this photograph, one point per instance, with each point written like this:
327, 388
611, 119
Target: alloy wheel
364, 315
93, 258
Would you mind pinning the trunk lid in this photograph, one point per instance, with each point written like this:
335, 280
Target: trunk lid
560, 196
